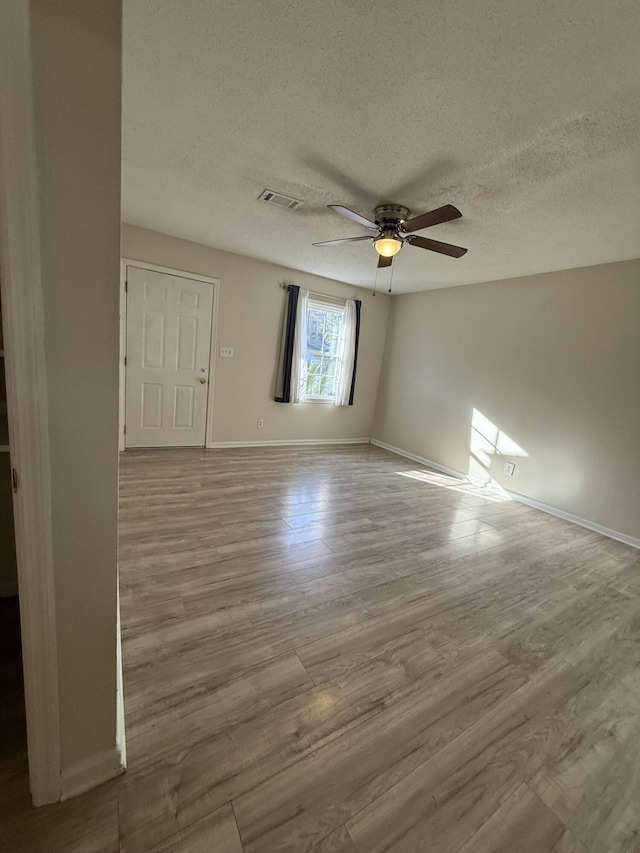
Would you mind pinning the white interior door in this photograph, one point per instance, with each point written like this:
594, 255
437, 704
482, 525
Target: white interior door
167, 366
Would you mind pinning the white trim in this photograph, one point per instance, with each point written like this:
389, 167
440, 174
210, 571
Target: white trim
91, 772
121, 735
123, 351
575, 519
129, 262
289, 442
146, 265
516, 496
422, 459
208, 430
27, 398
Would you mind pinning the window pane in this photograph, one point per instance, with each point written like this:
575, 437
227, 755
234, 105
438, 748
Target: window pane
323, 330
315, 325
321, 374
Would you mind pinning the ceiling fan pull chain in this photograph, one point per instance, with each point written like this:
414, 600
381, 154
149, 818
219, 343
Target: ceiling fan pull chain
393, 266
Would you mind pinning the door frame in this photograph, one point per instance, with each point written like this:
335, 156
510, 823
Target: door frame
25, 365
203, 279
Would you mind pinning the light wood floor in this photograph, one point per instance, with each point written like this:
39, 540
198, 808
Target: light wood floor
337, 650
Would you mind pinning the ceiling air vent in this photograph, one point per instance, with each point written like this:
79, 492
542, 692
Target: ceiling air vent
281, 200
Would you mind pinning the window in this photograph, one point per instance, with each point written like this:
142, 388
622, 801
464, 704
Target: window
323, 350
318, 350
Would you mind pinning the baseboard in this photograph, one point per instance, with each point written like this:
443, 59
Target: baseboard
90, 772
516, 496
575, 519
421, 459
287, 442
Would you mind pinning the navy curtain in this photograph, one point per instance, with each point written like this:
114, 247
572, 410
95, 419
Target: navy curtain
355, 354
283, 377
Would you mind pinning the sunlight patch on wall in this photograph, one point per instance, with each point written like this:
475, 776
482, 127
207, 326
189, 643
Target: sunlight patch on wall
487, 442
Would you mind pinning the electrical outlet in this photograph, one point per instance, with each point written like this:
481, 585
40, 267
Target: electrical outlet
509, 468
260, 423
226, 352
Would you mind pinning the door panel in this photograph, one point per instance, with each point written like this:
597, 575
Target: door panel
183, 407
153, 339
151, 405
187, 343
168, 348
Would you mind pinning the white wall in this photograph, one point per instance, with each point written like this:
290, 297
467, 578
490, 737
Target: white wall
77, 81
249, 320
552, 361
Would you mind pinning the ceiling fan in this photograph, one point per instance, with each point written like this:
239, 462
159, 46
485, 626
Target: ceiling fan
392, 222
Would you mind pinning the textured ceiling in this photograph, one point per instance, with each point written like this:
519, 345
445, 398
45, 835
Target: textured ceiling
523, 113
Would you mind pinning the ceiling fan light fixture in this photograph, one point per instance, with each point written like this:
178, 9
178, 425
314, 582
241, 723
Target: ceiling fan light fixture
390, 220
387, 246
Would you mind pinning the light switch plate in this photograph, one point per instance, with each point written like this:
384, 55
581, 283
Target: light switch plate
509, 468
226, 352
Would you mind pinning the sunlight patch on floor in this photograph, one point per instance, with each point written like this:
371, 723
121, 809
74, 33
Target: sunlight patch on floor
454, 484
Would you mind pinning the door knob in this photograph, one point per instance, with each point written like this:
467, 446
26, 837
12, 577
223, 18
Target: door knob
203, 381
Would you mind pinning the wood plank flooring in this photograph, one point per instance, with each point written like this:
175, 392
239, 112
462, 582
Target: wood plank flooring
338, 650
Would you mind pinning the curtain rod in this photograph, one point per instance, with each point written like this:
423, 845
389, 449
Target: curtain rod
325, 296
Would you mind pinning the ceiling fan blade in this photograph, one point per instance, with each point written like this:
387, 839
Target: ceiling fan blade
436, 246
350, 214
432, 217
384, 262
343, 240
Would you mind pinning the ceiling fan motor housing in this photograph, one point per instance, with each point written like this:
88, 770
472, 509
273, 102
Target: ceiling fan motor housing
389, 217
390, 221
